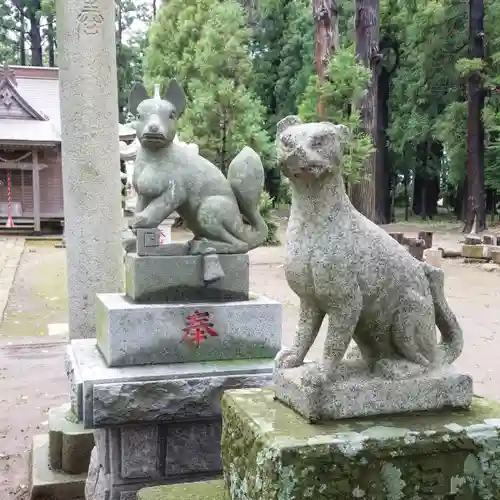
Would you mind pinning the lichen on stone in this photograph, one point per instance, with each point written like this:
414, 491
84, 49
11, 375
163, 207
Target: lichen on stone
270, 453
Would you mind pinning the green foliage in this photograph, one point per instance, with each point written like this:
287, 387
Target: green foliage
266, 210
205, 45
282, 48
341, 94
466, 67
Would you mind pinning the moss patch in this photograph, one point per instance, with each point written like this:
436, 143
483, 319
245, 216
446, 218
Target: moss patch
271, 453
39, 294
206, 490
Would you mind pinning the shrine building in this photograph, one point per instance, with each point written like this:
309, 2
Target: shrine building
31, 188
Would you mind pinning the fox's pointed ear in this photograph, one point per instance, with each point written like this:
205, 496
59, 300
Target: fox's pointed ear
287, 122
138, 93
175, 95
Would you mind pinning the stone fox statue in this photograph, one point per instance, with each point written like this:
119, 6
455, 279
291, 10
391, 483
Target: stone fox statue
342, 265
223, 213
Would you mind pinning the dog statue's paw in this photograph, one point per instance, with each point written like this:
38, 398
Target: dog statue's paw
288, 358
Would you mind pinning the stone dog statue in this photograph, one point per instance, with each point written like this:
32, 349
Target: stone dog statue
342, 265
223, 213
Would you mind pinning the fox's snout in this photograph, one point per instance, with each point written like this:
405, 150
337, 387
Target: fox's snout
153, 128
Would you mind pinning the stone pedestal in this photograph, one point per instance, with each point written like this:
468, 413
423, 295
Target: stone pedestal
135, 334
358, 393
271, 453
154, 424
268, 449
180, 279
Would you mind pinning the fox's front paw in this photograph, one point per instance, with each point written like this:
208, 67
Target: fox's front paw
288, 358
139, 221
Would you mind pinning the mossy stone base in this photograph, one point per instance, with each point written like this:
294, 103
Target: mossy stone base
206, 490
271, 453
474, 252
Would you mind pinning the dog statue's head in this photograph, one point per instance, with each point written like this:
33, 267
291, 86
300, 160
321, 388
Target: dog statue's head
156, 117
308, 151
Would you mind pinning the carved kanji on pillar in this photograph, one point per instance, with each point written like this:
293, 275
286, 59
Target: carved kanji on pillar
90, 17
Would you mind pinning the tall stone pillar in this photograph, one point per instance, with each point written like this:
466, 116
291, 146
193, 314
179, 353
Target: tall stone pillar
90, 155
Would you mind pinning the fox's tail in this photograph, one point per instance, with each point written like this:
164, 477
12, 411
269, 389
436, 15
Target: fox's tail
452, 338
246, 177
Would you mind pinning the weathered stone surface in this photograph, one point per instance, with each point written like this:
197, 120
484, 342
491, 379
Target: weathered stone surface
427, 237
70, 444
206, 490
398, 237
269, 453
214, 207
495, 255
193, 447
94, 373
489, 239
356, 392
47, 483
433, 256
475, 251
139, 452
344, 266
473, 239
180, 279
90, 156
97, 486
145, 455
75, 384
157, 400
137, 334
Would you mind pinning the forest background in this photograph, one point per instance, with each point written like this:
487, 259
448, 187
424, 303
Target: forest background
417, 82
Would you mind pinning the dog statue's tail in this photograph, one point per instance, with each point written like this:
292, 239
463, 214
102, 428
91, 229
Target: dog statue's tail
246, 177
452, 338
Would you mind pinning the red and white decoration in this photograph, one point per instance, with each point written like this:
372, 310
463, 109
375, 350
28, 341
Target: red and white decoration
10, 222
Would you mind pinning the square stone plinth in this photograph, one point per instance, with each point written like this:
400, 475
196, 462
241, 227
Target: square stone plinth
135, 334
180, 279
269, 452
102, 396
357, 392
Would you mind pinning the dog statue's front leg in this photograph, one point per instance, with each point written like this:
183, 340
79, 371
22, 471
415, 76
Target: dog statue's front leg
310, 320
157, 210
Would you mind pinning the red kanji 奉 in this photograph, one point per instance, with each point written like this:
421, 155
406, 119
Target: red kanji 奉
198, 328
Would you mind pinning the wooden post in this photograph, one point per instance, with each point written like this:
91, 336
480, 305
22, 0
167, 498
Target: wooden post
36, 191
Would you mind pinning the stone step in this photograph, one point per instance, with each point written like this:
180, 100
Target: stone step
47, 483
206, 490
70, 445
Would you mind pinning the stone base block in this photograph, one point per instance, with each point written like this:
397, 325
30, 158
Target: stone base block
47, 483
495, 255
70, 444
157, 424
357, 392
206, 490
476, 252
136, 334
180, 279
268, 450
103, 396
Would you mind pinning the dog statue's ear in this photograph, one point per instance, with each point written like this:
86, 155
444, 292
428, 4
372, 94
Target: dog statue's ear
175, 95
138, 93
287, 122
